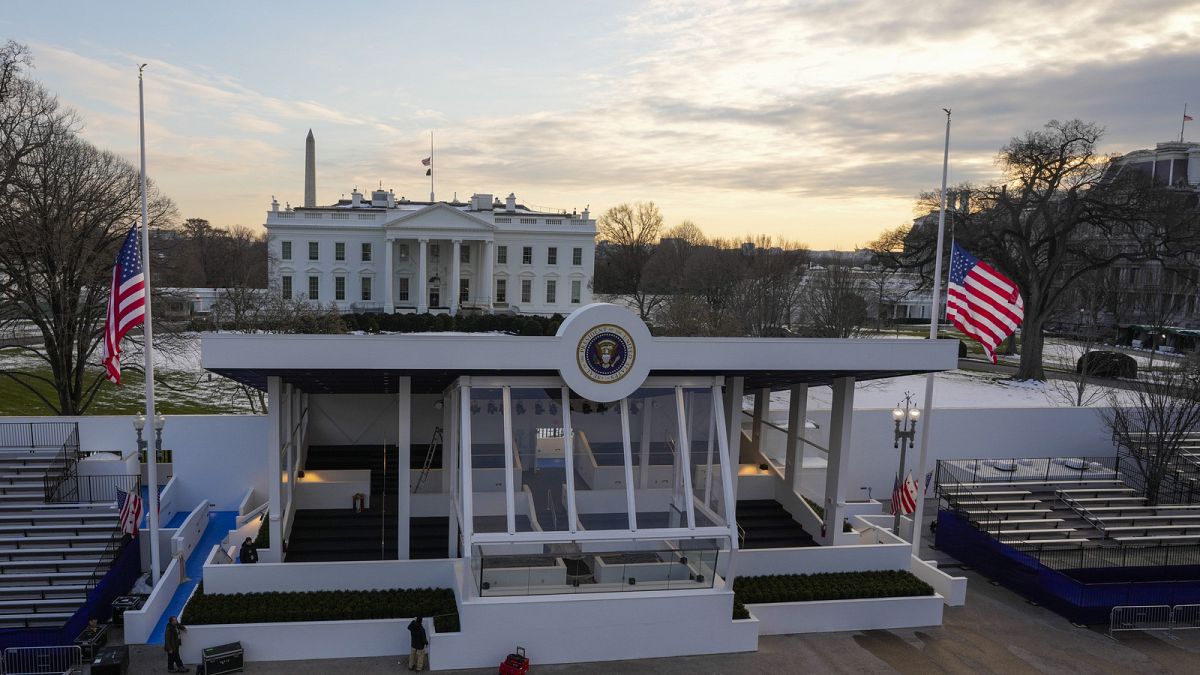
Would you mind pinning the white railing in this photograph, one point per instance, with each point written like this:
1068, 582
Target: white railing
1139, 617
38, 660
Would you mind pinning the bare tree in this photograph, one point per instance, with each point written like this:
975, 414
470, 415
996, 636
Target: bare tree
631, 230
884, 250
1154, 420
1061, 211
836, 302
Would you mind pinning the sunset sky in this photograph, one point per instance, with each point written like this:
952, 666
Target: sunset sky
816, 121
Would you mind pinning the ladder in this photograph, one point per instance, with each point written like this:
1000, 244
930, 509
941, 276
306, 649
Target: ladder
434, 443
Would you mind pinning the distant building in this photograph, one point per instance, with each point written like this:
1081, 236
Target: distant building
383, 253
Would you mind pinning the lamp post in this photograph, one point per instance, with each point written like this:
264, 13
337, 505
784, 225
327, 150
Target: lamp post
906, 429
139, 423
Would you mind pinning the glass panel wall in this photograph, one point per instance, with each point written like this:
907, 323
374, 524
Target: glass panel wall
539, 460
659, 497
487, 460
705, 457
598, 451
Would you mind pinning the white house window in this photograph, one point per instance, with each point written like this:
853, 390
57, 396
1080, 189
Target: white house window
286, 287
577, 256
286, 250
314, 288
576, 291
403, 251
402, 289
314, 250
434, 250
366, 288
551, 291
527, 255
366, 252
464, 290
526, 290
464, 254
339, 288
554, 221
502, 255
504, 220
502, 290
529, 221
339, 250
552, 255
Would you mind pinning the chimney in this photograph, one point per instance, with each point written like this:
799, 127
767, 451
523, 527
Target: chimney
586, 209
951, 198
274, 204
510, 202
391, 199
964, 201
310, 170
481, 202
355, 199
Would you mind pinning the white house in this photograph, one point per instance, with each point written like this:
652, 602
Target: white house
396, 255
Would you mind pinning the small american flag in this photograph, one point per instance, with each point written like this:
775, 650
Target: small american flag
904, 495
126, 304
131, 511
984, 304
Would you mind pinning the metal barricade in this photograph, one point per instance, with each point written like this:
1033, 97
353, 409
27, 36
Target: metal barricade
42, 660
1185, 617
1139, 617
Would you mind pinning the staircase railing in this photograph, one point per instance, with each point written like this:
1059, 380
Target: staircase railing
434, 443
60, 483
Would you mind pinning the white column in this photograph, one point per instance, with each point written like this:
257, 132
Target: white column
837, 471
487, 281
734, 387
455, 274
762, 402
389, 273
403, 465
275, 435
422, 277
797, 416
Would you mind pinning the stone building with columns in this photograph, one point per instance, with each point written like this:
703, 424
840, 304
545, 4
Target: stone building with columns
389, 254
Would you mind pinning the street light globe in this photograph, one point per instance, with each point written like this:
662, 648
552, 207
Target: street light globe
914, 413
159, 422
139, 421
897, 414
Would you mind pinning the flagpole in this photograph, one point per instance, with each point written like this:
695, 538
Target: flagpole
1182, 122
934, 304
431, 165
148, 348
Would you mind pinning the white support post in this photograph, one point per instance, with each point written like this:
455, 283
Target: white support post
403, 463
464, 432
455, 273
837, 471
422, 277
734, 387
627, 448
762, 402
450, 452
509, 498
728, 478
685, 458
569, 459
797, 418
389, 274
488, 277
644, 449
275, 434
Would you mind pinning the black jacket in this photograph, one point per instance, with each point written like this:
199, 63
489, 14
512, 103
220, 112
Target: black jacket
249, 553
419, 639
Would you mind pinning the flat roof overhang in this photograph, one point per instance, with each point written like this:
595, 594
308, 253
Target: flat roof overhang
361, 364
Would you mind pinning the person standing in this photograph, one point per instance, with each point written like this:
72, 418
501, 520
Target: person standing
249, 552
420, 644
172, 641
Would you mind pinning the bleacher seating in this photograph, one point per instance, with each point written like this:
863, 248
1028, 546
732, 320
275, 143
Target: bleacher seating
48, 552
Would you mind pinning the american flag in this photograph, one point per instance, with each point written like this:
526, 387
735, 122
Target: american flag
984, 304
126, 303
904, 495
131, 511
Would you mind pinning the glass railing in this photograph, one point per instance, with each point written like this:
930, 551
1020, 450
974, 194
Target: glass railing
668, 566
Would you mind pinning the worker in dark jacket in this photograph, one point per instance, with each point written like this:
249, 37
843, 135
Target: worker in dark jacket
420, 644
172, 641
249, 552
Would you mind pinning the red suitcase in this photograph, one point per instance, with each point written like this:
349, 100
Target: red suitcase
515, 664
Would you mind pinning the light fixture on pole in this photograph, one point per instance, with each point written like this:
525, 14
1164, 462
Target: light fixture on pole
906, 429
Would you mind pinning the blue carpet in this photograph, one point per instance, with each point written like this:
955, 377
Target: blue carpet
219, 525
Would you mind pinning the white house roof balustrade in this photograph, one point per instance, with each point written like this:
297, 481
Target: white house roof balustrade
371, 363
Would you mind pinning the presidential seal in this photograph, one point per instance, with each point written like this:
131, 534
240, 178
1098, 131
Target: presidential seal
605, 353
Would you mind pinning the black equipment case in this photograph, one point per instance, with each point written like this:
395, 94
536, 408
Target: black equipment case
222, 659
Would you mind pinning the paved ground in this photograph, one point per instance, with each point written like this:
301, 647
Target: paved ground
997, 632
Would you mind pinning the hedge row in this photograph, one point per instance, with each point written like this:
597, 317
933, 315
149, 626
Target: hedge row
828, 586
463, 323
438, 603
